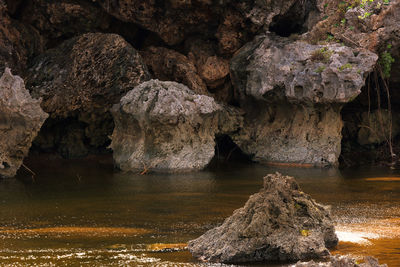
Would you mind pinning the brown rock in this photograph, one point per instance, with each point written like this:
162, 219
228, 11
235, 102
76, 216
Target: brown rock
79, 81
64, 19
169, 65
18, 42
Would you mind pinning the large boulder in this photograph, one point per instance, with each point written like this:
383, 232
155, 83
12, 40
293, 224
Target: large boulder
18, 42
60, 20
20, 120
279, 223
292, 93
164, 126
79, 82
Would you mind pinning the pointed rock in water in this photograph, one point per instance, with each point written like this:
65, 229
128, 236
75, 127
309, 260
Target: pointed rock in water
20, 120
165, 126
279, 223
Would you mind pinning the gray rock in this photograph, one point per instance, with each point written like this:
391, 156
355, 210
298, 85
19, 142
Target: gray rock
20, 120
164, 126
292, 93
342, 261
279, 223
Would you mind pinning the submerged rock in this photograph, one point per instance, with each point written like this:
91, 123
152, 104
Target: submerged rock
20, 120
279, 223
296, 90
164, 126
342, 261
79, 82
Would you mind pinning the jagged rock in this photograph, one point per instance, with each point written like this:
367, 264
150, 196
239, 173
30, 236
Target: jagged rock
233, 23
64, 19
20, 120
342, 261
292, 93
18, 42
279, 223
169, 65
164, 126
79, 82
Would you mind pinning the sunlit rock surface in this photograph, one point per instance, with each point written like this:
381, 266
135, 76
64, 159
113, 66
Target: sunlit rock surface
164, 126
20, 120
279, 223
292, 93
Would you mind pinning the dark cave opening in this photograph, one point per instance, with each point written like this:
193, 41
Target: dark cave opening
366, 126
294, 21
227, 151
73, 137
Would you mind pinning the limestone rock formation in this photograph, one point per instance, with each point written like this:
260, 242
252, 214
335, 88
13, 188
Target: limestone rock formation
342, 261
164, 126
79, 82
279, 223
292, 93
20, 120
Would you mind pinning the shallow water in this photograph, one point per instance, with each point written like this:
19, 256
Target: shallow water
85, 213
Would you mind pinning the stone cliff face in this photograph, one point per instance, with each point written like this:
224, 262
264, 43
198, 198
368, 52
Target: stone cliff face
292, 93
291, 67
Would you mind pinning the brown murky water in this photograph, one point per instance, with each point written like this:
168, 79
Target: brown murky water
83, 213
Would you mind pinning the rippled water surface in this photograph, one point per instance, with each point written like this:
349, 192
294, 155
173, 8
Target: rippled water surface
85, 213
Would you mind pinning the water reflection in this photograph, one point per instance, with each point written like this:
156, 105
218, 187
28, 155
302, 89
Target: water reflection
84, 212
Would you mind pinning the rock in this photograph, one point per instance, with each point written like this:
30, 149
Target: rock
342, 261
61, 20
279, 223
20, 121
169, 65
292, 93
79, 82
212, 68
233, 23
164, 126
18, 42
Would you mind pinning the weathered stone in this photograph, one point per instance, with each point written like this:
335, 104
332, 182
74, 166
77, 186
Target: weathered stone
169, 65
18, 42
60, 20
292, 93
279, 223
342, 261
20, 120
233, 23
164, 126
81, 79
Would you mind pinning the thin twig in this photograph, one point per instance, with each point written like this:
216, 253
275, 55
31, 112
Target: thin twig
29, 170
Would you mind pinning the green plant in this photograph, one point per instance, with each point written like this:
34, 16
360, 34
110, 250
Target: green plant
385, 61
321, 55
345, 67
320, 69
